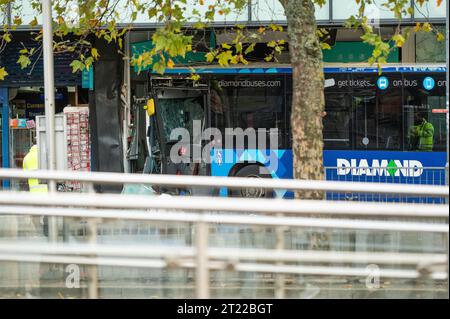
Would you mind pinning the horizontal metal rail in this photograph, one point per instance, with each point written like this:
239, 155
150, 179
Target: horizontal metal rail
228, 182
299, 222
232, 254
402, 211
240, 267
248, 205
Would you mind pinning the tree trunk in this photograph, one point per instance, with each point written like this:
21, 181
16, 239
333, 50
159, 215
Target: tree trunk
308, 93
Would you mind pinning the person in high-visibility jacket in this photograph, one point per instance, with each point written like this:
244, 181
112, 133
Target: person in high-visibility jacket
33, 226
422, 133
31, 162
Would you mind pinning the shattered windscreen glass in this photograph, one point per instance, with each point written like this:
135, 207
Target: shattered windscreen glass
180, 113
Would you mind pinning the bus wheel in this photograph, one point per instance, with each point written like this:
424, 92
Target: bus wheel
253, 171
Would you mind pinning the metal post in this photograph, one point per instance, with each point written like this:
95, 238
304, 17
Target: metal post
202, 270
8, 14
49, 90
4, 96
4, 99
279, 278
92, 239
92, 269
126, 104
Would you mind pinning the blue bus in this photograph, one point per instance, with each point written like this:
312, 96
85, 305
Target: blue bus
368, 117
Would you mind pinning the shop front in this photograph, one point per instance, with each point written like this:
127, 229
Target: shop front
22, 99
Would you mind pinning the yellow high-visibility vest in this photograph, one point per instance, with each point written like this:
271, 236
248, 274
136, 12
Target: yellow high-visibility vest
425, 133
30, 162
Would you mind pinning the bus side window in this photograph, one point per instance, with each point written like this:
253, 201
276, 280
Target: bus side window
389, 117
420, 102
337, 121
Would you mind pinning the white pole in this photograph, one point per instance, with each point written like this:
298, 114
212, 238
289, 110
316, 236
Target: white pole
49, 89
126, 104
202, 271
93, 291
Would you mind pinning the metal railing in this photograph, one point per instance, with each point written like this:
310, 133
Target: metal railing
410, 176
207, 212
234, 182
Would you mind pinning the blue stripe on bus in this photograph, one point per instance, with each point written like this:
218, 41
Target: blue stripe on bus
256, 70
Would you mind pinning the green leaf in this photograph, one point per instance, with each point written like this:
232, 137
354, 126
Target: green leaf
199, 25
325, 46
88, 62
77, 66
210, 56
34, 22
3, 73
239, 47
94, 53
7, 37
250, 48
224, 58
399, 40
159, 67
376, 52
24, 61
426, 27
17, 20
382, 60
194, 77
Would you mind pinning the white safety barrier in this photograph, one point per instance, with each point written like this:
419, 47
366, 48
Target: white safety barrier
205, 212
233, 182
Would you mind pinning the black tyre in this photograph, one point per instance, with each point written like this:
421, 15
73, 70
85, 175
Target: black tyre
252, 171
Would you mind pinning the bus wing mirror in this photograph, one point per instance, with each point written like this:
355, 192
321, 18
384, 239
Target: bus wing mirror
150, 107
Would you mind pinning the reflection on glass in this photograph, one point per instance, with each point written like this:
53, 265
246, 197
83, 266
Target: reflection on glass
344, 9
428, 48
429, 9
366, 136
337, 122
272, 10
423, 103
